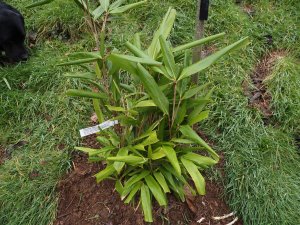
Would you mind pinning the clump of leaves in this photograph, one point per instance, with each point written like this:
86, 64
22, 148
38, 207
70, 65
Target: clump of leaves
154, 149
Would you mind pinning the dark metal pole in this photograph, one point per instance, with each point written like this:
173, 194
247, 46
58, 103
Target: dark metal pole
202, 15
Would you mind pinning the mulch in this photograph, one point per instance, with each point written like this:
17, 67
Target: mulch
84, 202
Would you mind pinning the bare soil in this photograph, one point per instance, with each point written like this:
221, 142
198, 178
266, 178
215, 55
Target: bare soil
259, 97
84, 202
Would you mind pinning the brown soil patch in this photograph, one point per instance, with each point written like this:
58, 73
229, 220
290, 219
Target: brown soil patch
259, 97
2, 155
84, 202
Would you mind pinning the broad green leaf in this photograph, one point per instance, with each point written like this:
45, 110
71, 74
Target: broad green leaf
147, 61
146, 203
123, 64
119, 187
130, 159
85, 55
206, 62
189, 133
135, 179
163, 30
137, 40
151, 139
197, 42
170, 168
115, 108
158, 154
136, 51
202, 116
193, 91
86, 150
116, 4
105, 4
146, 103
85, 94
98, 111
87, 75
199, 159
78, 61
103, 141
172, 157
103, 174
162, 182
181, 113
101, 151
182, 141
195, 174
98, 12
199, 104
153, 90
134, 190
156, 190
174, 185
119, 165
126, 7
168, 58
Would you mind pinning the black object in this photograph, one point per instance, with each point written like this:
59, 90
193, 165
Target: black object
204, 5
12, 33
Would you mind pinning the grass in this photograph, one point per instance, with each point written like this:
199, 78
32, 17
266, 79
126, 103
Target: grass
262, 162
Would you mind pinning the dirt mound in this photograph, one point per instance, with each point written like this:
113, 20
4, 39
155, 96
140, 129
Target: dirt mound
84, 202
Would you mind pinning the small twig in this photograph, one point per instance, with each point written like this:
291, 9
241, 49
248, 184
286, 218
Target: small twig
233, 221
223, 217
200, 221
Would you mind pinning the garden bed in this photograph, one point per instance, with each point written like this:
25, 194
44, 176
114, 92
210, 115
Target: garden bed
84, 202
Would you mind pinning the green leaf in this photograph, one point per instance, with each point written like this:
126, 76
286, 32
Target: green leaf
119, 165
119, 187
189, 133
176, 186
98, 12
156, 190
193, 91
202, 116
134, 190
116, 4
147, 61
126, 7
135, 178
90, 76
163, 30
206, 62
182, 141
146, 203
136, 51
123, 64
181, 113
103, 174
168, 58
153, 90
86, 150
103, 141
78, 61
172, 157
85, 55
195, 174
200, 160
158, 154
85, 94
115, 108
130, 159
161, 180
151, 139
137, 40
98, 111
146, 103
197, 42
105, 4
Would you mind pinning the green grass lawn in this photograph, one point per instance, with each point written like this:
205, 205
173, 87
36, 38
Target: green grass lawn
262, 161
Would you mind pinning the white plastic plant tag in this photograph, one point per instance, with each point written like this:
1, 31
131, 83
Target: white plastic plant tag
94, 129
